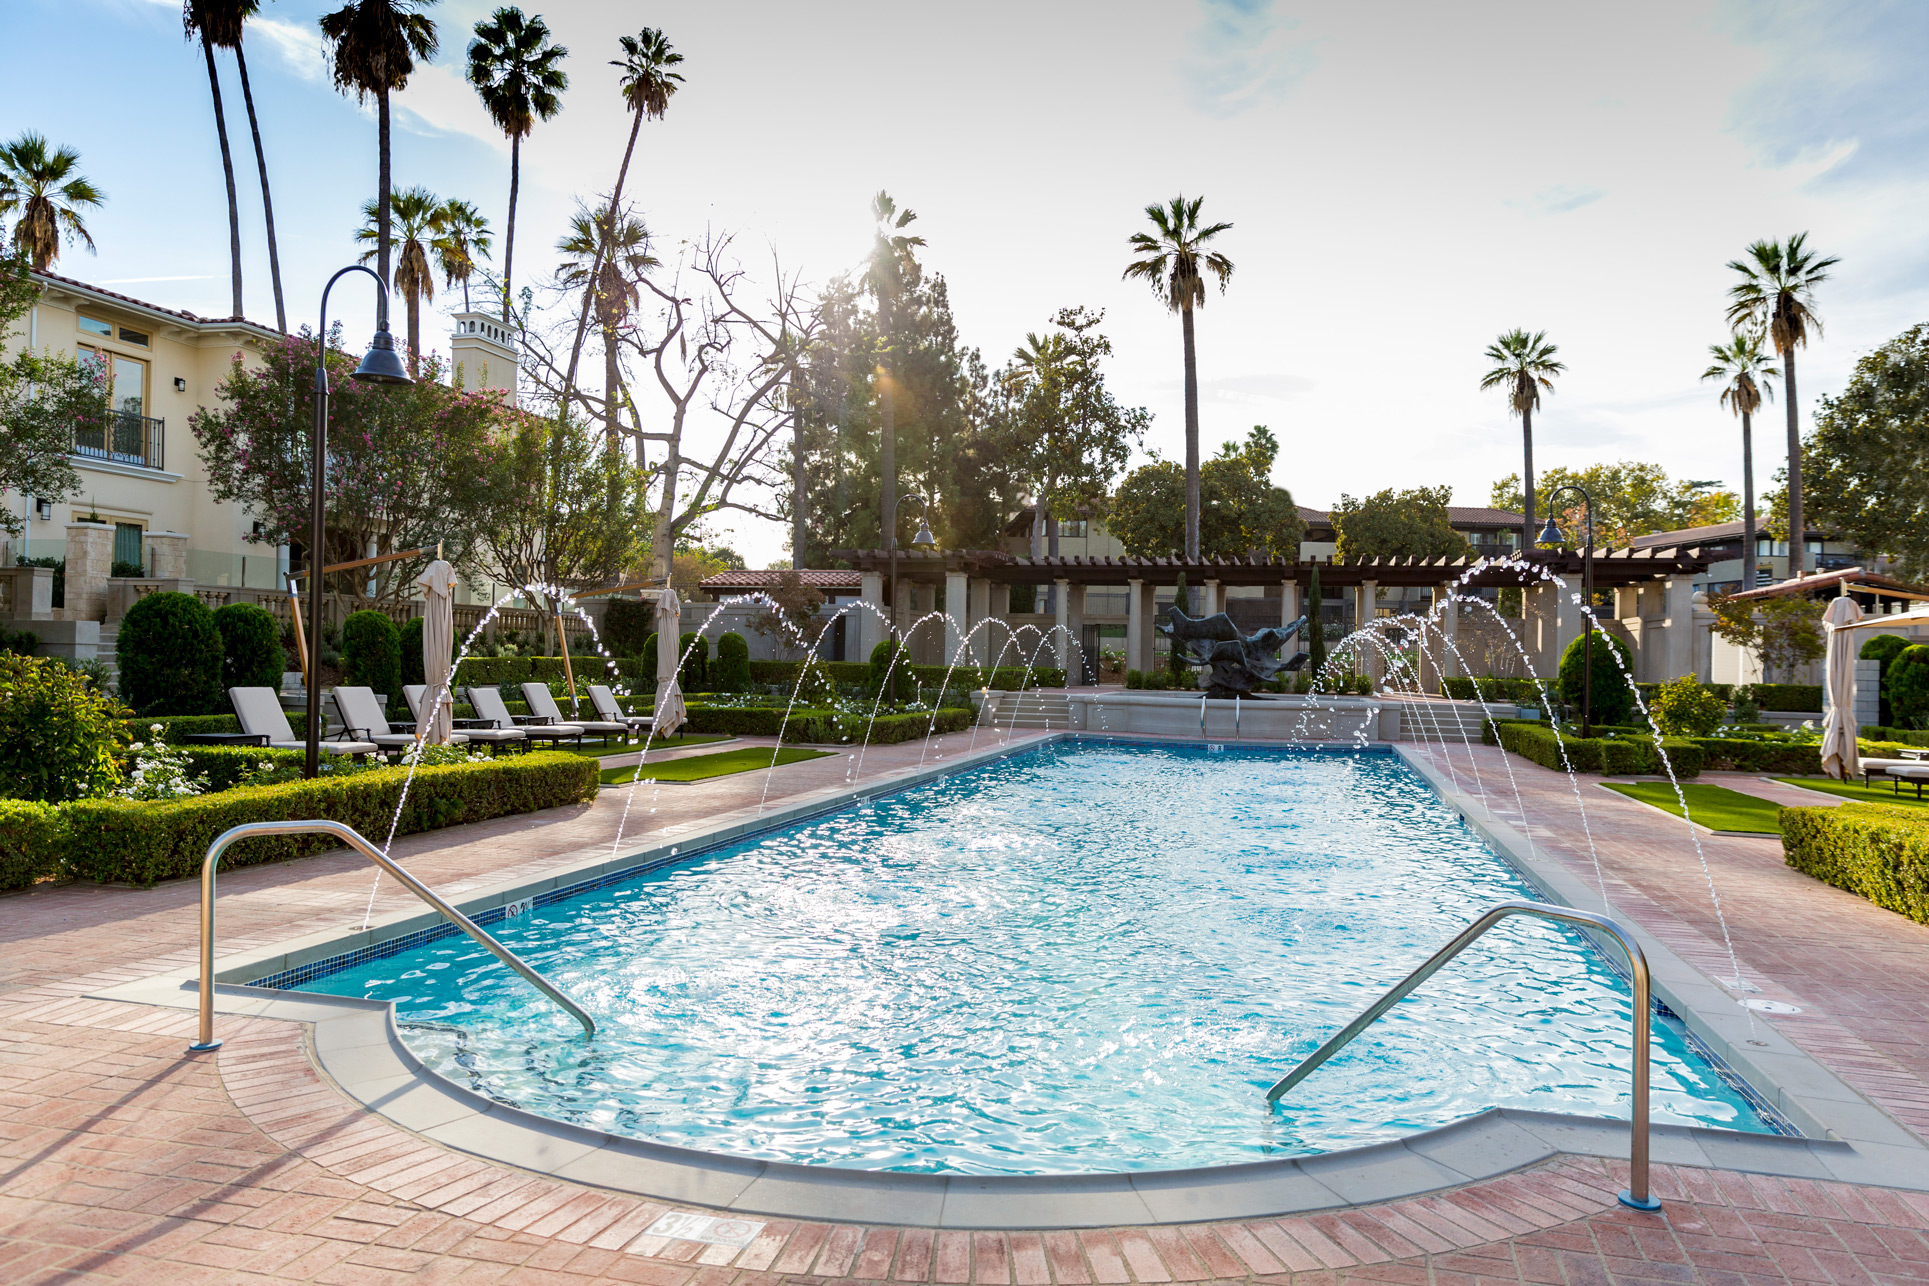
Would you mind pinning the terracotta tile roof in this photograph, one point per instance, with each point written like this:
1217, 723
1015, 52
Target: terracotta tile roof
192, 319
749, 579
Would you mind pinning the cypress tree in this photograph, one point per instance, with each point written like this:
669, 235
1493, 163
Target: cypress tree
1315, 627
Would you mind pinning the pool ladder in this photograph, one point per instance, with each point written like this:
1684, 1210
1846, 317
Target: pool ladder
1636, 1194
349, 836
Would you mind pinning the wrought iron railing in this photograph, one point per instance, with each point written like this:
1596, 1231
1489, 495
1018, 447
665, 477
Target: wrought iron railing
123, 438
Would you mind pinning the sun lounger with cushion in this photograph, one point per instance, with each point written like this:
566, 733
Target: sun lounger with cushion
261, 715
489, 705
604, 702
543, 702
481, 732
363, 715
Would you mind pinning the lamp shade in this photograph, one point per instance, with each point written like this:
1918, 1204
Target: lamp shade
382, 364
924, 536
1550, 534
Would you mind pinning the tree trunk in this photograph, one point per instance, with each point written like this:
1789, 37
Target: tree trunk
267, 201
1797, 526
415, 328
662, 548
382, 204
1527, 479
612, 388
1747, 504
509, 238
1192, 436
596, 262
1053, 522
799, 509
227, 169
887, 428
1038, 526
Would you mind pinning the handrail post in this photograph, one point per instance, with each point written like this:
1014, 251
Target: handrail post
1636, 1194
349, 836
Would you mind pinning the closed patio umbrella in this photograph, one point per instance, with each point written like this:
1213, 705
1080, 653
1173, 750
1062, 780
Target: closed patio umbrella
438, 645
1839, 758
670, 714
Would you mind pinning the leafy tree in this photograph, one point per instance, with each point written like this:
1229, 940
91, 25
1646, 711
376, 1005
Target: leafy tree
1631, 498
44, 190
1868, 460
412, 665
201, 18
1398, 524
373, 46
44, 399
221, 24
1174, 259
606, 253
1742, 367
893, 266
1524, 366
408, 466
513, 66
1783, 633
1243, 509
170, 656
790, 625
1060, 425
420, 214
1776, 298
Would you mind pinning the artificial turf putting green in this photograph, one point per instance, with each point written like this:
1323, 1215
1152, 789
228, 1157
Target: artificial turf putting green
1855, 790
591, 750
721, 764
1716, 807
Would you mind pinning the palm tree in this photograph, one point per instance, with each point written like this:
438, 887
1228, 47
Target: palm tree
373, 45
649, 79
1742, 367
892, 267
45, 190
1174, 261
461, 236
1776, 297
1524, 365
220, 23
512, 65
196, 18
1037, 368
605, 257
418, 214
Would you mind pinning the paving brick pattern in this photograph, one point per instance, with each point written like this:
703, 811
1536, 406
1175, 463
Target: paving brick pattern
121, 1159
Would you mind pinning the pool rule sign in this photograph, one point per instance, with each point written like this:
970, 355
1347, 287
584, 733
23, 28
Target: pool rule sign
687, 1226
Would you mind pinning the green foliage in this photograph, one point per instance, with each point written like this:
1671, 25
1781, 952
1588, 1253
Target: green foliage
19, 642
1632, 498
1620, 755
1860, 468
175, 727
647, 655
889, 666
1526, 692
1788, 698
372, 653
823, 726
47, 400
731, 673
31, 840
1686, 709
1004, 678
1884, 648
1909, 686
60, 737
1240, 509
693, 667
143, 842
413, 668
1783, 633
170, 656
251, 655
1872, 850
626, 624
1398, 524
1613, 699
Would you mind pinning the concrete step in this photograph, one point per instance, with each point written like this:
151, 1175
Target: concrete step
1035, 710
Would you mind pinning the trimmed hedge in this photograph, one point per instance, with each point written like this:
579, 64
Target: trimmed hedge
1519, 691
1789, 698
1005, 678
176, 726
1781, 758
818, 726
508, 672
731, 671
144, 842
223, 765
1906, 736
29, 842
1626, 755
372, 653
251, 653
1876, 851
170, 656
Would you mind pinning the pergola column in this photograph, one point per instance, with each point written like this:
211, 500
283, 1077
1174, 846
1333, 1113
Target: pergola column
1449, 629
997, 640
1288, 602
978, 608
870, 628
1364, 599
957, 616
1679, 596
1137, 626
1215, 595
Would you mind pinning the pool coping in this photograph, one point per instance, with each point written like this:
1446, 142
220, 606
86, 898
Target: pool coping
357, 1046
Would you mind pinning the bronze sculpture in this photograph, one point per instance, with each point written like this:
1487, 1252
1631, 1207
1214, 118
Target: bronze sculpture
1240, 662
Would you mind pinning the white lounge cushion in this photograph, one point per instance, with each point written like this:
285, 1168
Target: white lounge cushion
606, 708
261, 715
489, 705
543, 702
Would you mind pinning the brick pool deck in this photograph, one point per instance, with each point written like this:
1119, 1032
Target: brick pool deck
122, 1158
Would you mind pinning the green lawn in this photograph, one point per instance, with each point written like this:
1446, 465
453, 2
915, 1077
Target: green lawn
596, 750
720, 764
1715, 807
1855, 790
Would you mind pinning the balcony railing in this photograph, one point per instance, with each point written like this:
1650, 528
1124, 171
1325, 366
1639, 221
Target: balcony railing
123, 438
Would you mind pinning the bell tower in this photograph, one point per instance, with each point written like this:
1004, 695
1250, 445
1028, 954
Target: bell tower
483, 353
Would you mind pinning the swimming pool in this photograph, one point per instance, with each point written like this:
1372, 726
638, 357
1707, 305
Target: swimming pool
1086, 957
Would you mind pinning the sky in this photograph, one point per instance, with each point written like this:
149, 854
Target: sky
1404, 180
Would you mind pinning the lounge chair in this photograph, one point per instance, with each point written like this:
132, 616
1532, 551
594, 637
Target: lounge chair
364, 717
543, 702
261, 715
481, 732
488, 705
1872, 767
604, 702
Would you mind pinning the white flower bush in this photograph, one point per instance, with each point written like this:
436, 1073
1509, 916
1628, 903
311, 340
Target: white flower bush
159, 771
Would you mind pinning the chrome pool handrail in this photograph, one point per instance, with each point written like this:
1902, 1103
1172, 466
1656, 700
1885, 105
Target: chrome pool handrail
1636, 1194
349, 836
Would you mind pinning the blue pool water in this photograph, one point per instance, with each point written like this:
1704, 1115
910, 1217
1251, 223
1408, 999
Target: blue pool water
1086, 957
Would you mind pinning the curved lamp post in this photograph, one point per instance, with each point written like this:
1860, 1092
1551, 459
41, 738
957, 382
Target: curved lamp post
1551, 535
924, 537
380, 365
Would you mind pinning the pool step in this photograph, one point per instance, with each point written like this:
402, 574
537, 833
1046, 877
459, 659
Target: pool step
1434, 721
1046, 710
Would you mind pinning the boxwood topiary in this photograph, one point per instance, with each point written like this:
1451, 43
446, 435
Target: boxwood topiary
1611, 700
1884, 649
693, 654
170, 656
1908, 685
903, 683
251, 655
626, 625
411, 640
731, 673
372, 652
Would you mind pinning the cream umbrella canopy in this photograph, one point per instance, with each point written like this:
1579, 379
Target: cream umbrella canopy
1839, 757
670, 713
438, 646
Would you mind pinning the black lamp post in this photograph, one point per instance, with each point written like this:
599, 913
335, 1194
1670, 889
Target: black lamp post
1551, 535
380, 365
924, 537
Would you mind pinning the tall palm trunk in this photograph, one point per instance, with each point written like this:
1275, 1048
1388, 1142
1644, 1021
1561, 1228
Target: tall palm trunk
596, 262
509, 240
381, 205
415, 328
227, 169
887, 427
1192, 436
612, 388
1747, 503
1797, 527
267, 202
1527, 478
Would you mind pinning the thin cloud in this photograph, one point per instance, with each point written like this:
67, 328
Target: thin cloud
1243, 55
140, 281
1559, 199
299, 48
